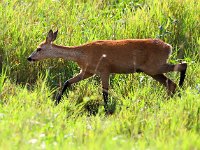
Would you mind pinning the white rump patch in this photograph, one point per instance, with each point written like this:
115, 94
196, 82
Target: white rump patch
170, 48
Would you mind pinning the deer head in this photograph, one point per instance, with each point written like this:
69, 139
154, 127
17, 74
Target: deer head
45, 49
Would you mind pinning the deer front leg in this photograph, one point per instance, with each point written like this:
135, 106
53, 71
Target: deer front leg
79, 77
105, 84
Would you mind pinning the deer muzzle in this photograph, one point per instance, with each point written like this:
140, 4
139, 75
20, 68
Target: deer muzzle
30, 59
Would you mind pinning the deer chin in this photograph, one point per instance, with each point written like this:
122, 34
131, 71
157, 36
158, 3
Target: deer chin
32, 61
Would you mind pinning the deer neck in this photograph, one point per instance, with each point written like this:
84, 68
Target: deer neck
73, 53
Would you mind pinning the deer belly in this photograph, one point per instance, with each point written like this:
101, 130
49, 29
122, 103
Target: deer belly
123, 68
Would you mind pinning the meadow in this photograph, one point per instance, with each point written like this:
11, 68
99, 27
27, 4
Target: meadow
144, 116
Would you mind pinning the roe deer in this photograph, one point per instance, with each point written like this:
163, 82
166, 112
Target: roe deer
113, 56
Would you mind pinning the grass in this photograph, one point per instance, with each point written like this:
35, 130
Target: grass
144, 118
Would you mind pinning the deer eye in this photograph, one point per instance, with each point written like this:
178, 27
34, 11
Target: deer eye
39, 49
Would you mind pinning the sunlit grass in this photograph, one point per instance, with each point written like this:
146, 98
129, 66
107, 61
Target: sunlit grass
144, 116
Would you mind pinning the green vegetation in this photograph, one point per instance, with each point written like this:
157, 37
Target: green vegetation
144, 118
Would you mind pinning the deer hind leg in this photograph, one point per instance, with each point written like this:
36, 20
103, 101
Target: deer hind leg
170, 85
79, 77
177, 67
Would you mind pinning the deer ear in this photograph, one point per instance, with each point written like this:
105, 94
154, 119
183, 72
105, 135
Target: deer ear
55, 35
49, 37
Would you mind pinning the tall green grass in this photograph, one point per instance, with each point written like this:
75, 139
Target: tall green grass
24, 24
144, 118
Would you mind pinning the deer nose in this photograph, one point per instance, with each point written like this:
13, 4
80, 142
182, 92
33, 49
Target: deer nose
29, 58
